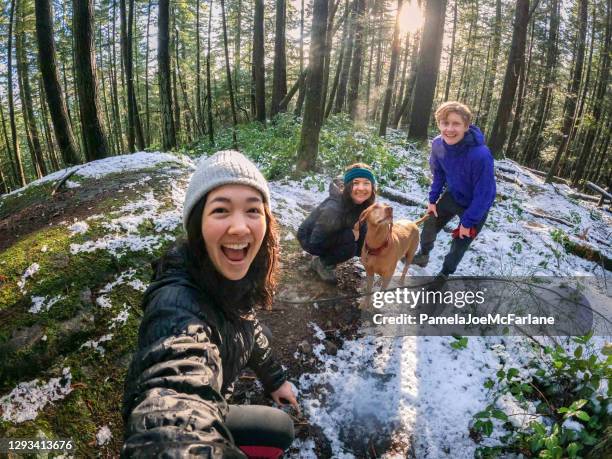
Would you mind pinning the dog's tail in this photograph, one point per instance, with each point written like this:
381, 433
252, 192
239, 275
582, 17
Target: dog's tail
422, 219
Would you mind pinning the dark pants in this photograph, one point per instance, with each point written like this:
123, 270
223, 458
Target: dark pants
339, 247
258, 425
447, 208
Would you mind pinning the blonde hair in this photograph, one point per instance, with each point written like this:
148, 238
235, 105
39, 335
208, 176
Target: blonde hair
454, 107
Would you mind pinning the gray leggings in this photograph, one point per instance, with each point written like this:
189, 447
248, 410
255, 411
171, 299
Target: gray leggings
447, 208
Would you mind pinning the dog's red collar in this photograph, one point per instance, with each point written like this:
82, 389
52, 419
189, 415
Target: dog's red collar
370, 251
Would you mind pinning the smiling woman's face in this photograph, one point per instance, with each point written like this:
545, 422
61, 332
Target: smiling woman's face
361, 191
233, 228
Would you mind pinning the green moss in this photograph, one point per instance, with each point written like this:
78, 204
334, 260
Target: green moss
16, 202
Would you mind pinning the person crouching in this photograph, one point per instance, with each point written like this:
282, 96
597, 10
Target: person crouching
327, 233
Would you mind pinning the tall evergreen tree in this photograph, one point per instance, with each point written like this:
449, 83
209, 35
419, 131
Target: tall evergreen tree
279, 80
259, 69
497, 137
94, 140
427, 68
51, 81
164, 75
311, 125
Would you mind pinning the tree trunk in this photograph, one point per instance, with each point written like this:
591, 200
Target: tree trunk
118, 128
513, 68
259, 69
484, 117
409, 91
451, 56
211, 130
229, 74
311, 126
279, 79
93, 136
395, 51
163, 63
25, 91
146, 82
134, 125
427, 69
7, 144
300, 101
346, 61
47, 128
355, 74
599, 101
331, 30
569, 108
237, 47
20, 177
334, 88
198, 91
532, 147
173, 66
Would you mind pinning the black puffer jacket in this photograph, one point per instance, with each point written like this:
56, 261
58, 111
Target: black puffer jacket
188, 355
330, 217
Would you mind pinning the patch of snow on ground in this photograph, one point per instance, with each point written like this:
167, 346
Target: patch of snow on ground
120, 318
124, 163
78, 228
123, 229
95, 344
28, 398
42, 304
103, 436
29, 272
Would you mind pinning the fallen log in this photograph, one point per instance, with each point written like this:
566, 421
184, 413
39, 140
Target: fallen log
399, 197
601, 191
547, 217
544, 174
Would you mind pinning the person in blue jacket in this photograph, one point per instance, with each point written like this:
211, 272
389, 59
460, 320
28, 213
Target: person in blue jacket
463, 184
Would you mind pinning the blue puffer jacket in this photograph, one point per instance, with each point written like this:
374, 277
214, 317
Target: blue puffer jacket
466, 169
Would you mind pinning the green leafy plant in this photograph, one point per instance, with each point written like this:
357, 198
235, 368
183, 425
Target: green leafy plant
566, 390
459, 343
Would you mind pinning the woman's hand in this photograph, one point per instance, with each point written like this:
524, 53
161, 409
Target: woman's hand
285, 394
431, 209
356, 234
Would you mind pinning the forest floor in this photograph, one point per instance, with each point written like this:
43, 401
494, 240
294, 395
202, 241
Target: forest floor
73, 267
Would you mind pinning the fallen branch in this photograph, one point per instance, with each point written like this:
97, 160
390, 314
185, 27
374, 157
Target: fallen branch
283, 103
548, 217
63, 180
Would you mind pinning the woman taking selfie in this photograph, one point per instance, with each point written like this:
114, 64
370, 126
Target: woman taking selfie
199, 328
328, 231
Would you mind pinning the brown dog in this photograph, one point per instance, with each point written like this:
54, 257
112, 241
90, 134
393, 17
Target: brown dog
386, 243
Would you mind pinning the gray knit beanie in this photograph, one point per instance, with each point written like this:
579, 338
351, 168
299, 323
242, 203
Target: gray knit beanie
227, 167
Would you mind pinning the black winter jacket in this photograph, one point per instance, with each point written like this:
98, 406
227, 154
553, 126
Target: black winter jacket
329, 218
188, 355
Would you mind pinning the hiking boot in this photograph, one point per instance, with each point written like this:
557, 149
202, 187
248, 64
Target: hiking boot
420, 260
327, 273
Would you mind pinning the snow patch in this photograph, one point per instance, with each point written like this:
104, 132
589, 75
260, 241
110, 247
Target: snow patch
28, 398
95, 344
103, 436
29, 272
